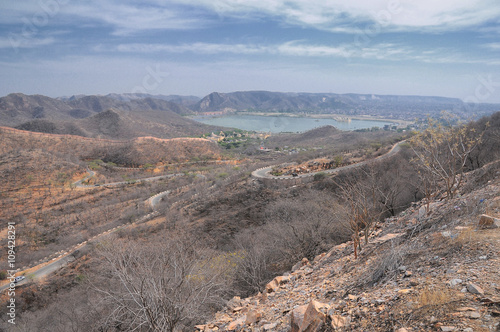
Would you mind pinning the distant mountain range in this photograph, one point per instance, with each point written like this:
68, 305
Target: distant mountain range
99, 116
181, 100
386, 106
130, 115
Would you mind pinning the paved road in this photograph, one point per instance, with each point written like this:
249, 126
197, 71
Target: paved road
79, 182
264, 173
121, 183
153, 201
54, 265
58, 262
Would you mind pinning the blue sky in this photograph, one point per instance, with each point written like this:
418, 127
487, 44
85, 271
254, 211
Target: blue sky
194, 47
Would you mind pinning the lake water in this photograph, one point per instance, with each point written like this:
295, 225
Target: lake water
277, 124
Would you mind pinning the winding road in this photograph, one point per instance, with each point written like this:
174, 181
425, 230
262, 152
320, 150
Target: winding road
67, 256
79, 184
265, 173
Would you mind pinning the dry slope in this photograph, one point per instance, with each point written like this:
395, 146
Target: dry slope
435, 271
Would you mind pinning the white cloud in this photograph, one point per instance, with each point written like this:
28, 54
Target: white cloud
16, 41
127, 17
202, 48
392, 14
492, 46
298, 48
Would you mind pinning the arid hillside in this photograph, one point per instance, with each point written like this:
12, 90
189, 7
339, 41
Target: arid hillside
99, 116
381, 245
38, 174
429, 269
137, 151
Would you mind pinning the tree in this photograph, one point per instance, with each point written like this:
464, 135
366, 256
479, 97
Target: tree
159, 287
441, 153
361, 193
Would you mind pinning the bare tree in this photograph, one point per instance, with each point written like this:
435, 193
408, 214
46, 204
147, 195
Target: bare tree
363, 197
160, 287
442, 153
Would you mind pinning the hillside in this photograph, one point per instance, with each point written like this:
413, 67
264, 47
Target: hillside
38, 172
82, 116
167, 227
385, 106
138, 151
435, 271
180, 100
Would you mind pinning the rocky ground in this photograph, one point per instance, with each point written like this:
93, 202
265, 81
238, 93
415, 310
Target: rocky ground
436, 270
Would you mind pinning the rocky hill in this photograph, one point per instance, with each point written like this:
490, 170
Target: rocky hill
435, 269
98, 116
181, 100
387, 106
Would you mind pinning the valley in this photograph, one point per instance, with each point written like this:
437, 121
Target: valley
99, 214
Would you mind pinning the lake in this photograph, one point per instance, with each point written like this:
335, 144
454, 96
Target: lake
278, 124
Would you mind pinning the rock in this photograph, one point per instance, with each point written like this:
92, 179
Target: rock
352, 297
402, 330
276, 283
422, 212
308, 318
297, 318
339, 322
272, 286
235, 302
474, 315
253, 316
454, 282
474, 289
268, 327
408, 274
319, 257
236, 323
282, 280
448, 328
466, 309
488, 222
300, 264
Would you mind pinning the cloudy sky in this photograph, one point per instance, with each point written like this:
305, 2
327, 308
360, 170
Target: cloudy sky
194, 47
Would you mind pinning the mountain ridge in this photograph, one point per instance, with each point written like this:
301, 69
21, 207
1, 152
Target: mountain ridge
405, 107
80, 116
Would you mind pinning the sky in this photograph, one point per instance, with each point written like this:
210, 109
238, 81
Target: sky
445, 48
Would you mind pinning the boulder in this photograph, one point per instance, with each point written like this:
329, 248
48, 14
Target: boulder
474, 289
308, 318
272, 286
339, 322
297, 318
276, 283
236, 323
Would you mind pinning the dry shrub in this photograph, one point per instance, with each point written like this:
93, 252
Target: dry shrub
433, 296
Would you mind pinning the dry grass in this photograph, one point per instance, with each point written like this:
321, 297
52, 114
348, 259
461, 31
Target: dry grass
433, 296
